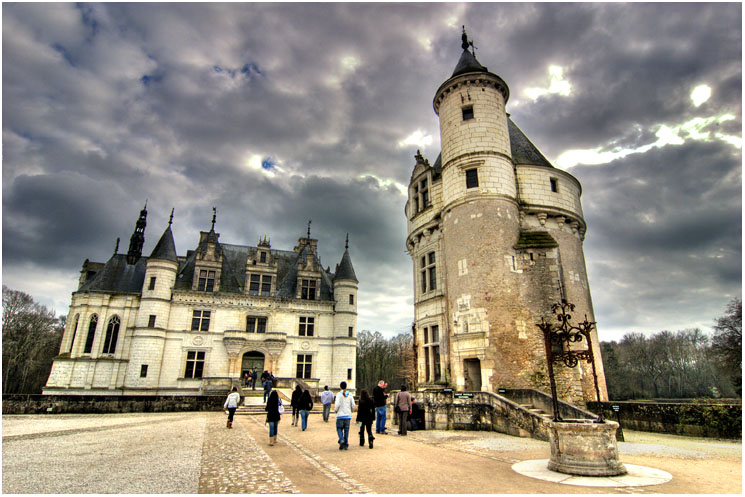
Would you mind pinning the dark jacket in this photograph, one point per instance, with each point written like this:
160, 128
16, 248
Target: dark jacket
272, 410
306, 402
295, 399
379, 396
366, 411
267, 385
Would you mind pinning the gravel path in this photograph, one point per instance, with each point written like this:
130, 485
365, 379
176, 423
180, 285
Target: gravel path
103, 454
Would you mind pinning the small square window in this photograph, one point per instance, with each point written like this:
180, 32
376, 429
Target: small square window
151, 286
151, 321
472, 178
554, 185
349, 373
143, 371
467, 113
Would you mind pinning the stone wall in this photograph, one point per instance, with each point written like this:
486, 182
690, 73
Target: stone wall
692, 419
99, 404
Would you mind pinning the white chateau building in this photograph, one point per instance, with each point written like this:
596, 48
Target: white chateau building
191, 325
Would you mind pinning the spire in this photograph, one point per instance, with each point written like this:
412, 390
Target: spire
309, 221
467, 62
138, 237
345, 270
166, 248
170, 221
214, 218
116, 248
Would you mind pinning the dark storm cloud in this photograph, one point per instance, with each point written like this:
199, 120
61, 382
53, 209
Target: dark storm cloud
106, 105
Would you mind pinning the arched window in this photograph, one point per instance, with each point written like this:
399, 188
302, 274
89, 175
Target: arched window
112, 332
74, 331
91, 334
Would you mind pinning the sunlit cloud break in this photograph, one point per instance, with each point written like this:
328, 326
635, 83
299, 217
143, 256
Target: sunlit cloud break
666, 135
700, 94
557, 85
418, 138
264, 163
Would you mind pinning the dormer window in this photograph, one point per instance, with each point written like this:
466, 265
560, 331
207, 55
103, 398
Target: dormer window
420, 194
206, 281
308, 289
262, 257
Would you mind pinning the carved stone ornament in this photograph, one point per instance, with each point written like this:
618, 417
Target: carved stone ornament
197, 340
305, 345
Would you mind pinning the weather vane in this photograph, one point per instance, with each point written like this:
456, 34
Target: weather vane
465, 43
309, 221
214, 217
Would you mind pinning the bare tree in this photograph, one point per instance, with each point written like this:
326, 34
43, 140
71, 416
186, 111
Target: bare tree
727, 343
31, 339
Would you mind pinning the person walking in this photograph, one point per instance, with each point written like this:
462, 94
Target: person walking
274, 411
245, 379
343, 407
231, 404
380, 398
365, 417
327, 397
295, 403
403, 403
254, 376
267, 388
305, 404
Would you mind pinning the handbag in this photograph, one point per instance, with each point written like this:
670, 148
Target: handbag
280, 408
397, 409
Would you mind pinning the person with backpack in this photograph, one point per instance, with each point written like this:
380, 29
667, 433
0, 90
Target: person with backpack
267, 388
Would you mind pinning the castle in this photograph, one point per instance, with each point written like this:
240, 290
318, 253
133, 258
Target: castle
495, 234
194, 324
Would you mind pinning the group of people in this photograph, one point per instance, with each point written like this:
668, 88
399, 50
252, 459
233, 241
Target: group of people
371, 408
250, 377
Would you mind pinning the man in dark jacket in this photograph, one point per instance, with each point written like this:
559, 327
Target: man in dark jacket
380, 397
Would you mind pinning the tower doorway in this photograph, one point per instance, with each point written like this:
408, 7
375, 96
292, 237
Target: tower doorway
472, 374
252, 360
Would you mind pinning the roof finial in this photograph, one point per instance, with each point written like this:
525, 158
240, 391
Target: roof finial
116, 248
309, 221
170, 221
346, 245
214, 217
465, 43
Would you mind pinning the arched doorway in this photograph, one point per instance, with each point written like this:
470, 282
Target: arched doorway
252, 359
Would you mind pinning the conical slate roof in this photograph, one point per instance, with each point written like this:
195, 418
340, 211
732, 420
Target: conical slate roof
345, 271
468, 63
523, 150
165, 248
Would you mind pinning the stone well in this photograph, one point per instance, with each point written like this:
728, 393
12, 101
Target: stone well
581, 447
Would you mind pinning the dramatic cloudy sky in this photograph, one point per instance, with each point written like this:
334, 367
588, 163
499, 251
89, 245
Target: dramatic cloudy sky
280, 113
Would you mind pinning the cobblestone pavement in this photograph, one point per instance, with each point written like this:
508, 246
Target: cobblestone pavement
234, 463
196, 453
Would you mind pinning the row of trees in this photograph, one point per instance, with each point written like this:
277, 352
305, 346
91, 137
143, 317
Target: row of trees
379, 358
684, 364
31, 339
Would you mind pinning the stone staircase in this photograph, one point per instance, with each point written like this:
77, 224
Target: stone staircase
253, 403
538, 411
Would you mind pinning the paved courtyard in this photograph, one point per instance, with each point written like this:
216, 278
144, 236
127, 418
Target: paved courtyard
195, 453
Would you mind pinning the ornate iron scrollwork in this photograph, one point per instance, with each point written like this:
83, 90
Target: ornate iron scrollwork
558, 339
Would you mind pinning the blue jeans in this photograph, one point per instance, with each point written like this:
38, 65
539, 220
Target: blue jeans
380, 419
326, 410
273, 425
342, 429
304, 419
266, 394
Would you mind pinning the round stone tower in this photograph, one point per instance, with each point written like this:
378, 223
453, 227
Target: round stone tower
495, 234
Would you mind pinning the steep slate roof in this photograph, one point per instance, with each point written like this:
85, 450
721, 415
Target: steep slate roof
345, 271
165, 248
233, 272
468, 63
523, 150
117, 276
